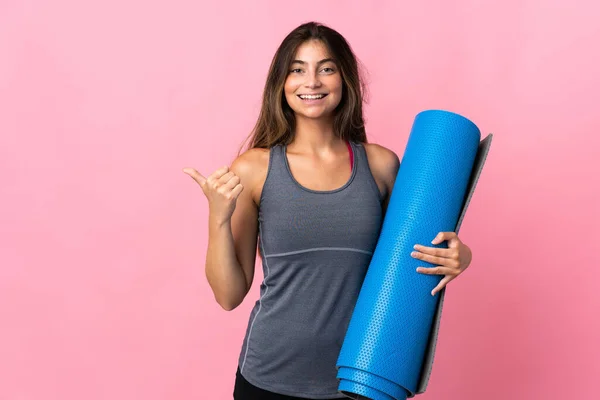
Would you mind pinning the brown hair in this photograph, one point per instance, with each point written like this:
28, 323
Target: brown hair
276, 121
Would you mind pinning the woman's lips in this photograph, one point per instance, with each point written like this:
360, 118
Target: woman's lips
312, 99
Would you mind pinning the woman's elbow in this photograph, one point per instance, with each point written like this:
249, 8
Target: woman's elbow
228, 304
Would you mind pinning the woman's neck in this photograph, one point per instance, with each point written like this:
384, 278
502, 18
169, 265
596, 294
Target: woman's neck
314, 135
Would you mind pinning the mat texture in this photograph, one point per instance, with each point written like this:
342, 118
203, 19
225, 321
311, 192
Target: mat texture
389, 335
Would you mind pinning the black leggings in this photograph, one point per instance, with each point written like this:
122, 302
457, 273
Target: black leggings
244, 390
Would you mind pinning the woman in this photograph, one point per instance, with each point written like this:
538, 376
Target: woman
311, 194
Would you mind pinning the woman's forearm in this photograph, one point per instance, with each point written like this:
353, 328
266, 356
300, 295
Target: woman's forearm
223, 270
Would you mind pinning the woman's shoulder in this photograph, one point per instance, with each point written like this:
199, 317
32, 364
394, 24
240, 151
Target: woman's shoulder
382, 159
384, 164
251, 167
251, 161
380, 151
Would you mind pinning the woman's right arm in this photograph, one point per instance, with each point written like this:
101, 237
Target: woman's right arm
232, 194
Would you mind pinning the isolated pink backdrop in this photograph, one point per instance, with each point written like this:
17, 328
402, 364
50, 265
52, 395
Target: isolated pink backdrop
102, 237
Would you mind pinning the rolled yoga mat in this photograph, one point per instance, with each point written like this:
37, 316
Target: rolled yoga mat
389, 333
484, 148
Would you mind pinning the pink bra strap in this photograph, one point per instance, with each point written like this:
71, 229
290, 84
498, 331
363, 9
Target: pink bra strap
351, 154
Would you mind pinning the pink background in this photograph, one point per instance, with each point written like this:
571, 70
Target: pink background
102, 237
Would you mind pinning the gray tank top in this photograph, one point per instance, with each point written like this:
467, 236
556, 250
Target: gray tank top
315, 248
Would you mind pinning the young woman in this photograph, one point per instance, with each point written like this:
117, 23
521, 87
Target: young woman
310, 193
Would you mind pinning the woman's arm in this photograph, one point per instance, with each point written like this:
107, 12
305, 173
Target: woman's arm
233, 227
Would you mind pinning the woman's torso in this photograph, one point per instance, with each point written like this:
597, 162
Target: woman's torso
315, 248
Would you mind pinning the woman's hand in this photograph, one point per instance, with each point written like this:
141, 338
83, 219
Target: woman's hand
451, 262
222, 189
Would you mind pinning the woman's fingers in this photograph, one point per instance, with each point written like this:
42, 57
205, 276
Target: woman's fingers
448, 273
451, 261
230, 184
441, 285
222, 182
444, 236
436, 251
236, 191
435, 270
225, 178
222, 189
197, 176
213, 179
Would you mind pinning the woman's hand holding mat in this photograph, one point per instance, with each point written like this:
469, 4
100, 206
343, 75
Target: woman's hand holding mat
450, 262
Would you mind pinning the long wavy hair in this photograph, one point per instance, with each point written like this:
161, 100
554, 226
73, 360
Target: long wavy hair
276, 121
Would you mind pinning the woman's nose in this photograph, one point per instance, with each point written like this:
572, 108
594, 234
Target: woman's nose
312, 80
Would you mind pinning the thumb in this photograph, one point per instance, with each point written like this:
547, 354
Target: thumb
197, 176
443, 236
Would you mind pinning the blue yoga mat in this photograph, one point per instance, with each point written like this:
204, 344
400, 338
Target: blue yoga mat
387, 338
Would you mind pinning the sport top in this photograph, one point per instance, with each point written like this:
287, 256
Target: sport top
315, 248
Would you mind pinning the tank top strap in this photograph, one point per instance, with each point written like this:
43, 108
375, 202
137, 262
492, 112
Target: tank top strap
277, 166
363, 172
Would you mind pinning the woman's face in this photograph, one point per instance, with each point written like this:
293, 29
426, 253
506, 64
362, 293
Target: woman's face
313, 87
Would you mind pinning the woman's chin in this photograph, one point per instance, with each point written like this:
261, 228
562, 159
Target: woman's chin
314, 114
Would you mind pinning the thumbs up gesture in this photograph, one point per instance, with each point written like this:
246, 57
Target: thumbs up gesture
222, 189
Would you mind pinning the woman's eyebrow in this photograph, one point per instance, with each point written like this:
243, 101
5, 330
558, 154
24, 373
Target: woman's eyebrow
323, 61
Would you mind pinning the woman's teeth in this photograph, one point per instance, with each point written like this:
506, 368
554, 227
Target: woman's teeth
311, 96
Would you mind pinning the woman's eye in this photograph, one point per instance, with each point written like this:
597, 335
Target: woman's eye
328, 70
296, 70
